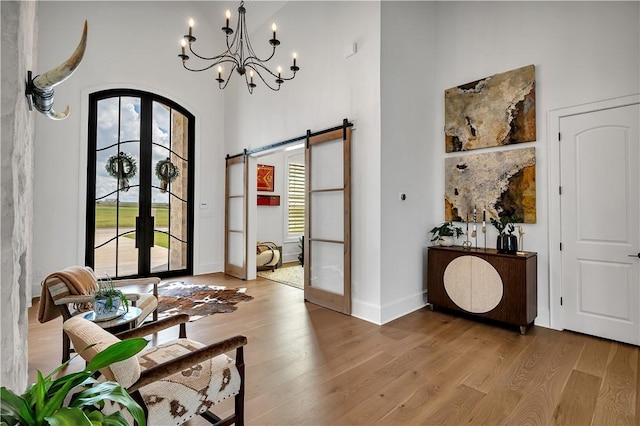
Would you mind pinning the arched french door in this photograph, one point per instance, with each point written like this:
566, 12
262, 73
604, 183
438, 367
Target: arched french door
139, 185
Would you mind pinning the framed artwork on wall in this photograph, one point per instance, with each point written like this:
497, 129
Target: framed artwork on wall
265, 178
495, 111
502, 182
268, 200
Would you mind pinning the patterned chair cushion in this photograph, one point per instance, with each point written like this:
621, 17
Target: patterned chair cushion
84, 333
179, 397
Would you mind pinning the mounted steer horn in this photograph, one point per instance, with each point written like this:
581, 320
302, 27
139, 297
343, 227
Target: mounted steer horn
39, 90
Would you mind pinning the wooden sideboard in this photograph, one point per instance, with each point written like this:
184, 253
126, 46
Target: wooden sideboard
484, 283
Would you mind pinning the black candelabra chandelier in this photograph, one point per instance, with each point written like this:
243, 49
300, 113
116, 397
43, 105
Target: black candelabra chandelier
239, 55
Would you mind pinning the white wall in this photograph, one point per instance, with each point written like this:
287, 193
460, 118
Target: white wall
131, 45
271, 220
583, 52
409, 165
408, 54
270, 225
327, 89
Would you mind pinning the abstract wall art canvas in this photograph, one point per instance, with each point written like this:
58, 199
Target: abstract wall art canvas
502, 182
495, 111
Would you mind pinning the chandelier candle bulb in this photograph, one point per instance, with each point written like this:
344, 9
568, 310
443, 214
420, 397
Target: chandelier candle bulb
219, 79
191, 23
228, 15
274, 28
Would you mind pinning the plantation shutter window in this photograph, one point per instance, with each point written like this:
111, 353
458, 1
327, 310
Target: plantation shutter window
296, 197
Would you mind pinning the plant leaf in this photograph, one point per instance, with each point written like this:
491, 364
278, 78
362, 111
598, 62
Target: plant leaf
117, 352
56, 399
114, 419
15, 407
69, 417
111, 391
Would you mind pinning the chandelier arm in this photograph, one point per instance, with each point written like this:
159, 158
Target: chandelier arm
184, 64
253, 57
252, 53
223, 86
249, 86
219, 60
274, 88
253, 66
206, 58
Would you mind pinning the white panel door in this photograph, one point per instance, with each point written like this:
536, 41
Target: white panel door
600, 157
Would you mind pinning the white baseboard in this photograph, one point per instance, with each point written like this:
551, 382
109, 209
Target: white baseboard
390, 311
208, 268
404, 306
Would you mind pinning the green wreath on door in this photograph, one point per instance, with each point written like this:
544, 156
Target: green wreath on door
122, 167
167, 172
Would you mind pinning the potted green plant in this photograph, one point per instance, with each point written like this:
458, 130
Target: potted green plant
52, 401
107, 300
506, 243
445, 233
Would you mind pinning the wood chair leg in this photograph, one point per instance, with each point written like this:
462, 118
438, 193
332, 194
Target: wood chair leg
239, 399
66, 347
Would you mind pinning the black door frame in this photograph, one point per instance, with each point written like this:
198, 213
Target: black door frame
146, 236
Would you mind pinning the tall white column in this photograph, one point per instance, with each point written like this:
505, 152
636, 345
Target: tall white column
19, 21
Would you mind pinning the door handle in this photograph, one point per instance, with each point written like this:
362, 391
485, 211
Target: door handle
634, 255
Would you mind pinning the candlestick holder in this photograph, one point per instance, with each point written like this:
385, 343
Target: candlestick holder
484, 233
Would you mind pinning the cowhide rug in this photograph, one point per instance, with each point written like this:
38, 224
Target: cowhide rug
197, 300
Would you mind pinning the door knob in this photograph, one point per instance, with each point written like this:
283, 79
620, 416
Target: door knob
634, 255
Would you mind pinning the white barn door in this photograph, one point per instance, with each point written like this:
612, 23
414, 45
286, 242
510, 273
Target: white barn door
600, 214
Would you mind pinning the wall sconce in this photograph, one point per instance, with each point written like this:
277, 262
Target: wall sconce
39, 90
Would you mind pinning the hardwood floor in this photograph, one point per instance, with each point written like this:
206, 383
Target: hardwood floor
309, 365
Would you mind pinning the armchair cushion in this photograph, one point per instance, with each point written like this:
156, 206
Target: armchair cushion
177, 398
84, 333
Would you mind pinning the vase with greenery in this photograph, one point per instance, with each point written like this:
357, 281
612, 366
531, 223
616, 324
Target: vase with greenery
445, 233
506, 242
76, 398
107, 300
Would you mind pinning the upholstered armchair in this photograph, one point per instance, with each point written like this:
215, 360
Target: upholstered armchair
174, 381
268, 256
69, 292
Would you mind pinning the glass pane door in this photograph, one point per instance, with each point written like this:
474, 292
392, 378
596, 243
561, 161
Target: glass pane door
117, 187
327, 262
169, 188
139, 213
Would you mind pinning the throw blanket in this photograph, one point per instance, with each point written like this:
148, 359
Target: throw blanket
72, 281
